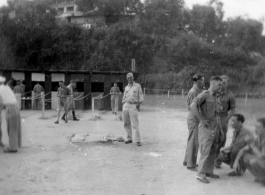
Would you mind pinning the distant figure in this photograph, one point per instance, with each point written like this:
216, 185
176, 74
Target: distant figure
9, 101
253, 155
18, 88
23, 87
62, 94
114, 91
10, 83
37, 92
132, 98
228, 154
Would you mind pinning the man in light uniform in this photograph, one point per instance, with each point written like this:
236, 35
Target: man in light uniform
115, 92
62, 93
71, 101
9, 101
226, 111
132, 98
18, 90
205, 107
193, 122
37, 91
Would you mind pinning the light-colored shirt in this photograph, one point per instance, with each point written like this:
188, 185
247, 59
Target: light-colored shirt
114, 91
18, 89
8, 97
133, 93
63, 92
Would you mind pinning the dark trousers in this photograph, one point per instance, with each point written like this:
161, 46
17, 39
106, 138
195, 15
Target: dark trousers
255, 168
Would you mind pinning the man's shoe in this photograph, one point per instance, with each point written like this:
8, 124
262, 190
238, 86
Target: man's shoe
75, 119
184, 163
56, 122
192, 168
66, 120
139, 144
63, 117
203, 179
217, 166
234, 174
128, 142
212, 175
7, 150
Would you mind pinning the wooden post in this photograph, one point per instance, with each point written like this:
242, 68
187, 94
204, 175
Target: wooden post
144, 91
92, 108
246, 99
32, 100
182, 93
43, 104
167, 94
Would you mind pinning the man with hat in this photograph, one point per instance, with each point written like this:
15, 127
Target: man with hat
193, 122
71, 101
9, 101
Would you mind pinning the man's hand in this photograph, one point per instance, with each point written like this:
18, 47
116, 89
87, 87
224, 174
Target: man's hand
222, 149
206, 123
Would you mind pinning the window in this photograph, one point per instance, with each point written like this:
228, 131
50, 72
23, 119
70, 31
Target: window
60, 9
97, 87
70, 8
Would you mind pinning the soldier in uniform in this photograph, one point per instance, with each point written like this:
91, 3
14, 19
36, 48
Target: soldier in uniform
193, 122
205, 107
71, 101
114, 91
226, 110
62, 93
132, 98
37, 91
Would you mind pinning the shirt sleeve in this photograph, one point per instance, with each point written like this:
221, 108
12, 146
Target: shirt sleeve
200, 98
190, 97
141, 97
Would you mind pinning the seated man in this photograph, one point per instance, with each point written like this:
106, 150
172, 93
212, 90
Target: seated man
253, 154
228, 154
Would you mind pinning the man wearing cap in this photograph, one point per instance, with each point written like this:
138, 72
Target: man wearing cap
205, 108
132, 98
9, 101
193, 122
62, 93
114, 92
37, 91
71, 101
227, 106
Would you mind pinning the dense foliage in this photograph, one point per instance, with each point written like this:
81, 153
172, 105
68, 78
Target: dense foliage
169, 42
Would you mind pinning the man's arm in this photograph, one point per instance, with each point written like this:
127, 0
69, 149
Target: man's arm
239, 155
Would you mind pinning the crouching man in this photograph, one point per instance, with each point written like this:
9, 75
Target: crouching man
228, 154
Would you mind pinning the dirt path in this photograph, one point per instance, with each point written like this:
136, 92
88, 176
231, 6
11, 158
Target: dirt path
48, 164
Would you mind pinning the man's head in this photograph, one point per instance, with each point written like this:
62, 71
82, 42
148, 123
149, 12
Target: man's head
224, 81
215, 83
2, 80
260, 126
61, 83
130, 77
199, 80
115, 84
237, 120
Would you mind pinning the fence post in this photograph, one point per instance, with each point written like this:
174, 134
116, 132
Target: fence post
32, 100
167, 94
246, 99
144, 91
92, 108
43, 103
182, 93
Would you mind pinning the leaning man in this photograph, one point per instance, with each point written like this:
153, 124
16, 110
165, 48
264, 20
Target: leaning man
9, 101
132, 98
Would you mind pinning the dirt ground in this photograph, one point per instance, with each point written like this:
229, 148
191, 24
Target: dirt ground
48, 164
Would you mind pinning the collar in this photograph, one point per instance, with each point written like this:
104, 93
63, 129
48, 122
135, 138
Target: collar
212, 93
132, 84
239, 129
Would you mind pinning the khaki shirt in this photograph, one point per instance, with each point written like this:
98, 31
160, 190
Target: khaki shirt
115, 91
133, 94
227, 102
194, 91
8, 97
208, 105
63, 92
18, 89
38, 89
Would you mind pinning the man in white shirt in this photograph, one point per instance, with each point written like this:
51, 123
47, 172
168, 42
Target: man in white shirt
8, 99
132, 98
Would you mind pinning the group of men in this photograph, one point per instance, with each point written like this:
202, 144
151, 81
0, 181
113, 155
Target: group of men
209, 113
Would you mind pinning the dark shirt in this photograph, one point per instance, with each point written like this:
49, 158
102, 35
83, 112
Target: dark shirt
194, 91
227, 102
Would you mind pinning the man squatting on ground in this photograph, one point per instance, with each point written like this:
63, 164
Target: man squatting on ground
71, 101
132, 98
193, 122
114, 92
9, 101
62, 93
228, 154
253, 155
226, 110
209, 128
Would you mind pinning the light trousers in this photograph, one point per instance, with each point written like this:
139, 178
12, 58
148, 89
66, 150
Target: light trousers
130, 118
114, 103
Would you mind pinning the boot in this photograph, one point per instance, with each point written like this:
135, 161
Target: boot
63, 117
74, 118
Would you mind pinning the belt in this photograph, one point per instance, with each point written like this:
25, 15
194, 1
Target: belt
132, 102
